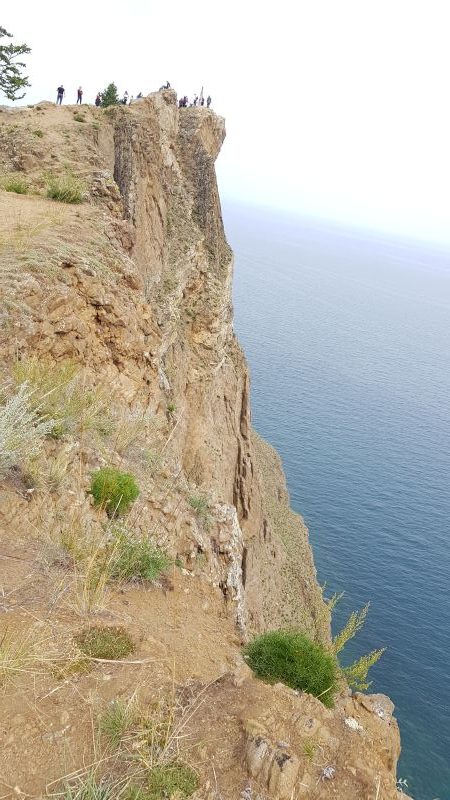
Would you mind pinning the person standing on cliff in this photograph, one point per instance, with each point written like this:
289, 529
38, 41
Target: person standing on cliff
98, 99
61, 92
79, 95
208, 101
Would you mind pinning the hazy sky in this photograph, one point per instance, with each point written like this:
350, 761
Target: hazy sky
333, 107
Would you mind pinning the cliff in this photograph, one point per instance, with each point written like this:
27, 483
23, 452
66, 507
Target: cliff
121, 307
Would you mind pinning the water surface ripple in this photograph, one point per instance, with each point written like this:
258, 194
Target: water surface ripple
347, 338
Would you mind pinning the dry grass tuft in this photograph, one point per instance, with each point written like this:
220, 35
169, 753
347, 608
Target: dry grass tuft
16, 183
23, 427
117, 719
91, 578
60, 391
47, 472
22, 653
130, 427
65, 188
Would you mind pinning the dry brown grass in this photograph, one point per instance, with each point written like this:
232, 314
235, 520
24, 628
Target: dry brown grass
23, 654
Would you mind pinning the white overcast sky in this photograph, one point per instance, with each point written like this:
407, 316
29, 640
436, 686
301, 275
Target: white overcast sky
333, 107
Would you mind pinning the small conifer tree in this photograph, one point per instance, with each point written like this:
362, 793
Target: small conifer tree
110, 96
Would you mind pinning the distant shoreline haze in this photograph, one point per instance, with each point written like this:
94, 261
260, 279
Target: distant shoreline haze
345, 225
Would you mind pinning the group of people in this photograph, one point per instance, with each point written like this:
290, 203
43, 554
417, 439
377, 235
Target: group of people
126, 100
183, 102
98, 100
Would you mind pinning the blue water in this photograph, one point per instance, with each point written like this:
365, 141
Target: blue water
347, 336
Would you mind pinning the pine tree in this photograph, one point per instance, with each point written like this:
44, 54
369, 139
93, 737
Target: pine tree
11, 78
110, 96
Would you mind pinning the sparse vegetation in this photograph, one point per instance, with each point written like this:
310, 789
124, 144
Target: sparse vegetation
116, 719
170, 780
200, 505
113, 490
357, 672
129, 427
22, 429
79, 118
354, 624
309, 749
92, 573
153, 461
44, 471
295, 660
65, 188
75, 538
16, 184
136, 558
66, 668
17, 655
171, 408
111, 643
38, 133
59, 391
154, 742
91, 787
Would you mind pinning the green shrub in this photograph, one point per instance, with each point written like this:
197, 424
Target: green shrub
65, 188
17, 185
168, 780
136, 558
105, 642
38, 133
113, 490
295, 660
79, 118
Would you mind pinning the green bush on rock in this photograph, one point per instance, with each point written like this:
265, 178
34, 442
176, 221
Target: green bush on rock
113, 490
292, 658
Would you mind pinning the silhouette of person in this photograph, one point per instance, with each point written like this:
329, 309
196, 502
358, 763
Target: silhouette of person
61, 92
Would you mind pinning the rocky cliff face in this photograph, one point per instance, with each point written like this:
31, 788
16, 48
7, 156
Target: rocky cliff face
132, 289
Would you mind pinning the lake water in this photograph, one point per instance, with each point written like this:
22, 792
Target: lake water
347, 335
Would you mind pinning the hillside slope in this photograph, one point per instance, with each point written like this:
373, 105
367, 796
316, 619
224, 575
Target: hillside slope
116, 317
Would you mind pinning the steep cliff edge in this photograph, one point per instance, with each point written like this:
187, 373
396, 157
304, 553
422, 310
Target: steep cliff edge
132, 288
